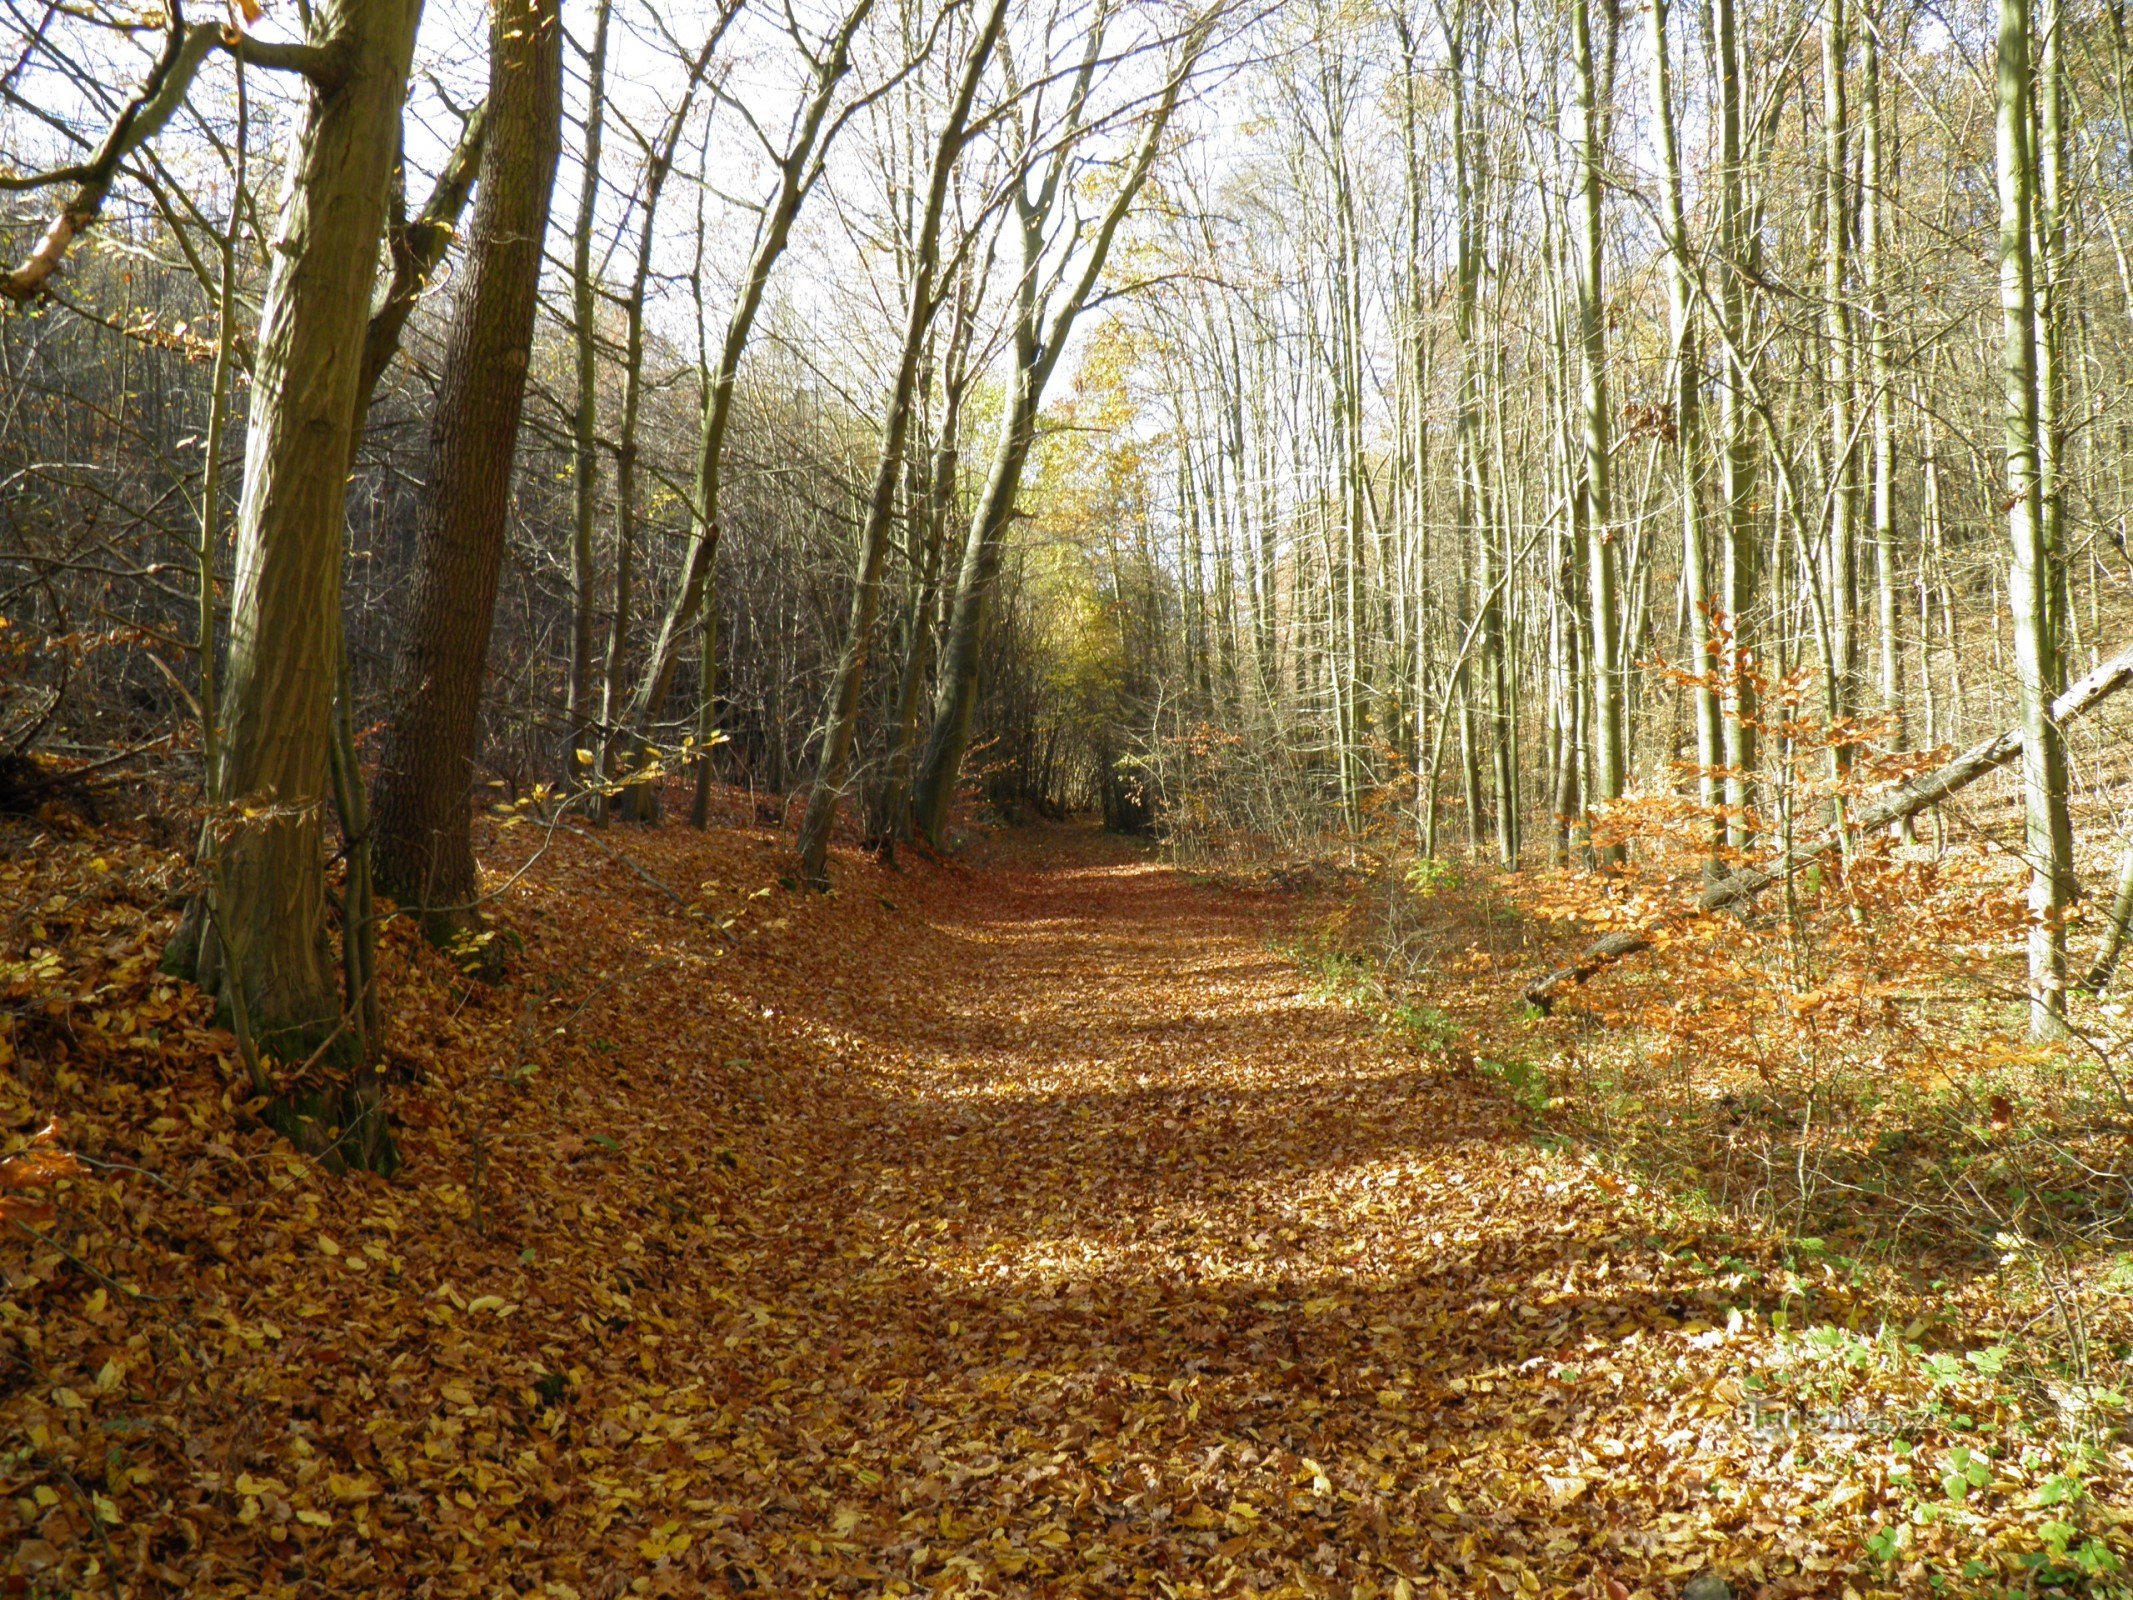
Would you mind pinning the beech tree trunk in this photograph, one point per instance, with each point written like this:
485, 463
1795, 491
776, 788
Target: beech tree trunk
1609, 742
263, 845
841, 715
2048, 831
585, 420
1688, 432
1037, 344
424, 852
1740, 579
797, 172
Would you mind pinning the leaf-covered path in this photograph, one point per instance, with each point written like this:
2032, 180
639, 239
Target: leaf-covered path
1116, 1261
1023, 1228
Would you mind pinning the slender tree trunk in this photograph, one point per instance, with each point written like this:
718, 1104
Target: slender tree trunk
425, 852
1036, 351
1838, 578
622, 756
2116, 926
2048, 223
841, 716
585, 417
1688, 381
1878, 158
797, 172
1608, 752
2047, 830
930, 534
1740, 707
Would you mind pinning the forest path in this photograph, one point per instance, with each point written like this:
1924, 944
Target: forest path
1129, 1264
1022, 1226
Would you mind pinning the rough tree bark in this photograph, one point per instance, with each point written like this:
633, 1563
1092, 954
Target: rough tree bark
263, 843
424, 848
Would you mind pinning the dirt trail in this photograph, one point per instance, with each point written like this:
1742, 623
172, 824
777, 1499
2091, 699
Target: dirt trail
1023, 1227
1131, 1265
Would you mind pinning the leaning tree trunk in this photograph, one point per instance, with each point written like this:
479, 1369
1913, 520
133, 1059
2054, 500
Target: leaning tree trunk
2115, 926
841, 714
797, 171
425, 852
1036, 350
264, 945
956, 695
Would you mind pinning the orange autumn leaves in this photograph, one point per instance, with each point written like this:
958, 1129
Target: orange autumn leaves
1024, 1226
25, 1176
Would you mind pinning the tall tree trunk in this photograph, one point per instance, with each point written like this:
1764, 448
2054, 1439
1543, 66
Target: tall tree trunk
1688, 388
1036, 352
1839, 571
797, 171
263, 843
841, 716
621, 754
2047, 830
424, 849
1878, 158
2048, 224
1737, 452
585, 415
1609, 758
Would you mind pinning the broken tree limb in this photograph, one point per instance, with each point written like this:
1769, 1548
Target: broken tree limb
1905, 800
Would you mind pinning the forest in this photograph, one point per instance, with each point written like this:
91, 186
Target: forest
1311, 798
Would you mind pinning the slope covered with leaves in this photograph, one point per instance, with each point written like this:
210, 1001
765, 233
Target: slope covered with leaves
1023, 1227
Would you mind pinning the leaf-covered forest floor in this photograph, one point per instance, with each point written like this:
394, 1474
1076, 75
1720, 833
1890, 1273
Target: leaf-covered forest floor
1027, 1224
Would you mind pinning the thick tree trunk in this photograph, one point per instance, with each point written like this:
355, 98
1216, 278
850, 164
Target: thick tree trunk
424, 850
263, 845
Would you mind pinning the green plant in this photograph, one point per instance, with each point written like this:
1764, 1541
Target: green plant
1426, 1027
1429, 876
1527, 1083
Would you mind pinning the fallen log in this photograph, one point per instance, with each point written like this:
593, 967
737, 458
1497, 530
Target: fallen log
1905, 800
